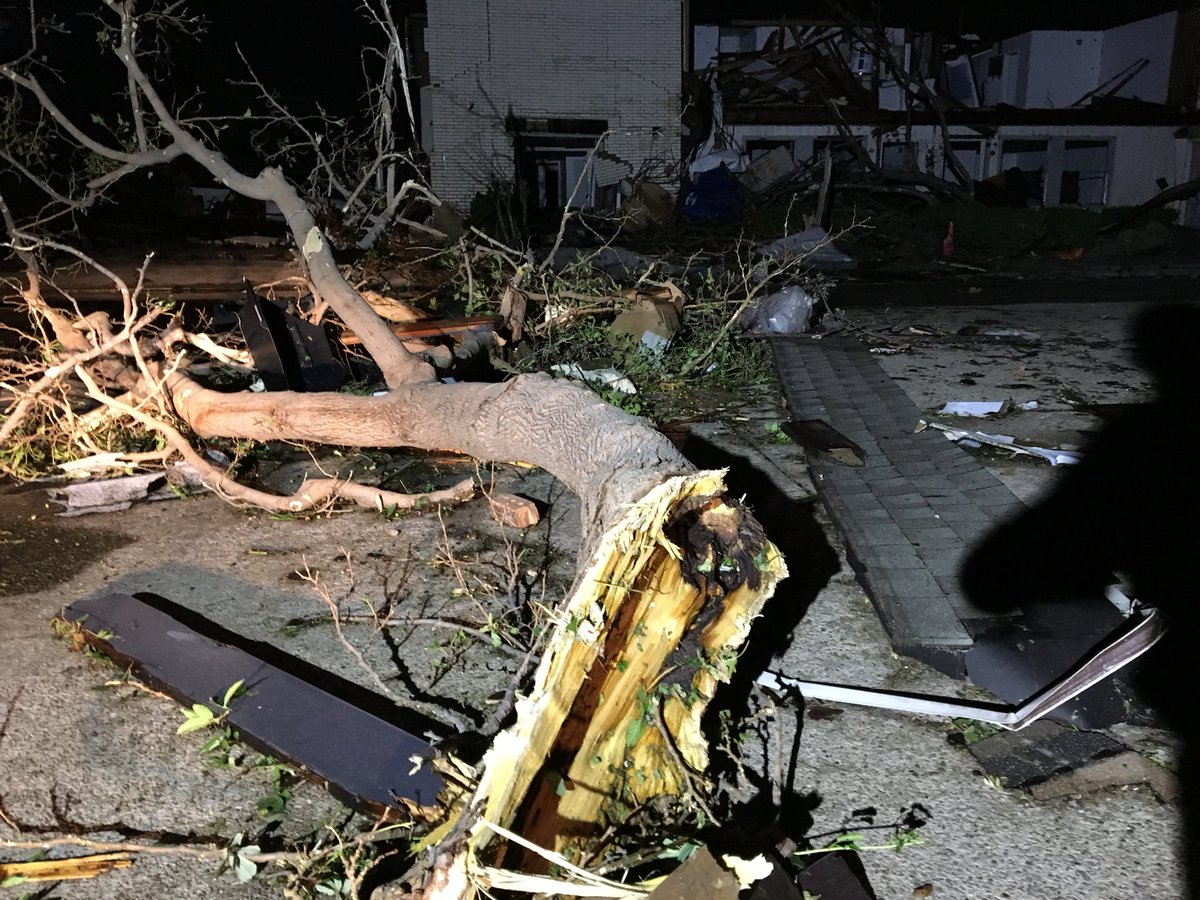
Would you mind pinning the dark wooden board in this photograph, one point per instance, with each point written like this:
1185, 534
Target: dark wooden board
333, 731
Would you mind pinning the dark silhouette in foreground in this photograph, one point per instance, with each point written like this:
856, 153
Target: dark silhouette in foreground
1130, 507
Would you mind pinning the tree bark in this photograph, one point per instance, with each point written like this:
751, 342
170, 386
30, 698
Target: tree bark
607, 457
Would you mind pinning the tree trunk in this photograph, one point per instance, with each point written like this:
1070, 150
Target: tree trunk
671, 576
607, 457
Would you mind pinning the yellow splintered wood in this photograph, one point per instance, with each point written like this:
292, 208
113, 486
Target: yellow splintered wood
622, 755
634, 582
64, 869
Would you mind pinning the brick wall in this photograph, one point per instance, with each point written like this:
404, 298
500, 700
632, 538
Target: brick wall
617, 61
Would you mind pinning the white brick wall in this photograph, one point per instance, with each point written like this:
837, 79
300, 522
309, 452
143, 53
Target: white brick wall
618, 61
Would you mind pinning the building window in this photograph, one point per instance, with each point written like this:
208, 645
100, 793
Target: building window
762, 146
840, 149
552, 157
900, 156
970, 156
1085, 173
1023, 162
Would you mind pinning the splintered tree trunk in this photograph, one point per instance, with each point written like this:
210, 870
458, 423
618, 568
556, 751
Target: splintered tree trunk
655, 621
671, 574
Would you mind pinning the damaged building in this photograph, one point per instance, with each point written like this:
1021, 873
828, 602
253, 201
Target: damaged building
1088, 118
530, 92
566, 106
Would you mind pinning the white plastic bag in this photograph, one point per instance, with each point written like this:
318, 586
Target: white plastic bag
786, 312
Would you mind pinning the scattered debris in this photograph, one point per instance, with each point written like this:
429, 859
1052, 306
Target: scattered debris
700, 875
114, 494
1140, 632
392, 309
1053, 456
813, 245
289, 354
977, 408
513, 511
780, 883
1045, 749
731, 159
836, 876
788, 311
820, 438
651, 322
1001, 335
1012, 659
948, 242
366, 759
712, 196
1017, 335
646, 203
608, 379
617, 262
427, 328
768, 170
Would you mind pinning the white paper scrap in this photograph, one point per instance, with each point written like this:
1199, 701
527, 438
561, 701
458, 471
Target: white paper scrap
973, 407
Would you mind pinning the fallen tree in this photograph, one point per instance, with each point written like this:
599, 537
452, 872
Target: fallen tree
671, 571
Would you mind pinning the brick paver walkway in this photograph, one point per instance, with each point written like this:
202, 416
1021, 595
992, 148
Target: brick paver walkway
910, 513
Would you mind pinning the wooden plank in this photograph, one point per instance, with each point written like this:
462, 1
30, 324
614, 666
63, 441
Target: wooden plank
440, 328
214, 274
333, 731
75, 867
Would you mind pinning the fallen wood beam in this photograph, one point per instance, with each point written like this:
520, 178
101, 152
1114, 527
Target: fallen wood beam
439, 328
215, 276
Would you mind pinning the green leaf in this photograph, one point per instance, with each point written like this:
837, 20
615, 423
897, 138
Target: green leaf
13, 881
235, 690
684, 850
272, 805
495, 636
198, 717
850, 841
634, 731
212, 744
